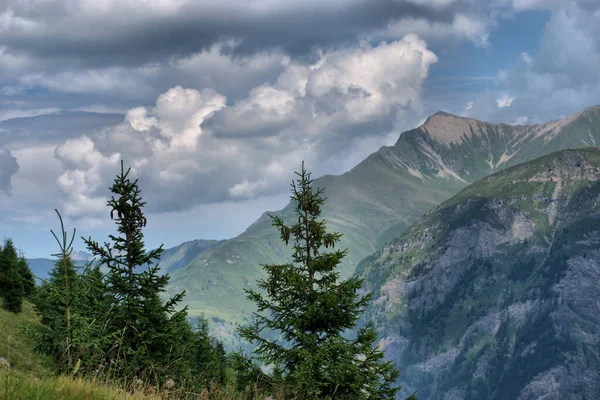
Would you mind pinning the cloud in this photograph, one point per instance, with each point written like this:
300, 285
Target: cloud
109, 32
561, 78
523, 5
23, 128
342, 90
8, 167
504, 101
474, 27
194, 144
215, 67
128, 52
433, 3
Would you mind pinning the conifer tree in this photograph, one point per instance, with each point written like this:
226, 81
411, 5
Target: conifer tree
313, 311
12, 289
151, 332
26, 276
208, 356
62, 303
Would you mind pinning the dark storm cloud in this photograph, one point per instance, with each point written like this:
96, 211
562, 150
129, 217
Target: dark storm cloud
128, 33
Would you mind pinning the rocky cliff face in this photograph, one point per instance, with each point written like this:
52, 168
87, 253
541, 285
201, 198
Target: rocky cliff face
495, 294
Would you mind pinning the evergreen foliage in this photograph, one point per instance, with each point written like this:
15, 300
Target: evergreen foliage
150, 333
208, 358
26, 276
67, 304
16, 279
117, 326
313, 310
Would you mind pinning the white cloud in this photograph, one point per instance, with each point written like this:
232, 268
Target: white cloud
344, 88
192, 148
505, 101
247, 189
86, 169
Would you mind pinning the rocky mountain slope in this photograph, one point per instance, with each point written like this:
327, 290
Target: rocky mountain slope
495, 293
379, 198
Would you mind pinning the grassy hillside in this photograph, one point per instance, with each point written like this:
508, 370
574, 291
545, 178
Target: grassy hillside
16, 385
16, 346
30, 376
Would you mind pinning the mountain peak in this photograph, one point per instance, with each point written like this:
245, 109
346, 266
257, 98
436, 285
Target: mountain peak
448, 128
443, 114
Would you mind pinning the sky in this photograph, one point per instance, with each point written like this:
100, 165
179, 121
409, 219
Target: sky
214, 104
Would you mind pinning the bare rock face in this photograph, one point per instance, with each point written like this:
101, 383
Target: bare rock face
495, 294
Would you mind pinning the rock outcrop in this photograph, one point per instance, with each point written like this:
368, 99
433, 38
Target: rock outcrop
495, 294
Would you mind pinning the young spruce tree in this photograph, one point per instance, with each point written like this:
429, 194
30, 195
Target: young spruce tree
63, 303
313, 310
151, 334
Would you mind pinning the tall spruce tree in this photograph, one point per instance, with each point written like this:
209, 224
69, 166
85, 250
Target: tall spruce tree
313, 311
152, 334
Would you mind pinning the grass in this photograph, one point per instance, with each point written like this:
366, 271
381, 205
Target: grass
16, 385
24, 386
29, 375
16, 346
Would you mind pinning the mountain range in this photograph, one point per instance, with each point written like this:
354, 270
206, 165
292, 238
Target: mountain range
171, 259
378, 199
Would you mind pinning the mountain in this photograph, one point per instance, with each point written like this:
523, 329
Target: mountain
179, 256
376, 200
494, 293
41, 267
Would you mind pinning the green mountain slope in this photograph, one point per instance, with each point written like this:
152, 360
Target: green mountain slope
178, 257
494, 293
378, 199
